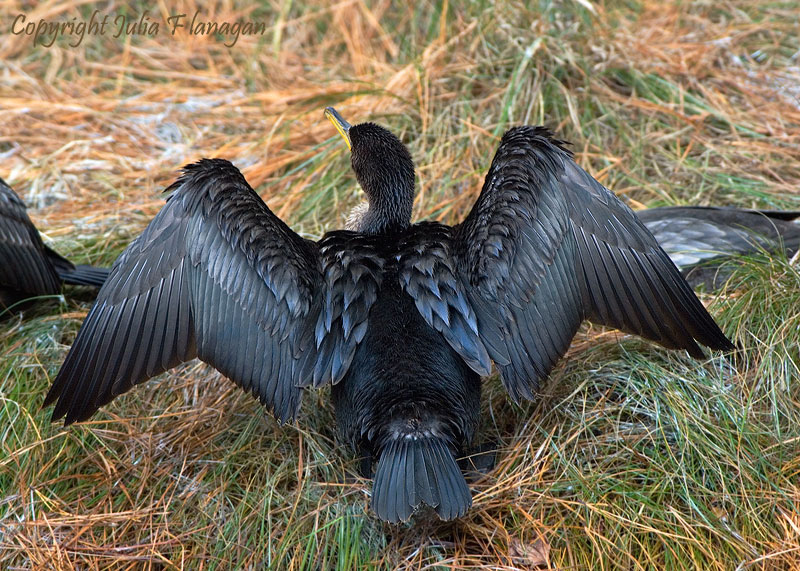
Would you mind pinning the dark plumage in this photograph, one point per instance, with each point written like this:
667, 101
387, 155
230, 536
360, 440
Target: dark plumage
28, 268
402, 319
699, 239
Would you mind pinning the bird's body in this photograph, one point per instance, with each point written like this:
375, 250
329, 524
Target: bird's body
700, 238
389, 406
28, 268
402, 319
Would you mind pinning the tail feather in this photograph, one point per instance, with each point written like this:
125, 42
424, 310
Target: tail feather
418, 470
84, 275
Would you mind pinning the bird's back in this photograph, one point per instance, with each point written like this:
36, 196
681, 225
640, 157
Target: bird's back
404, 371
408, 402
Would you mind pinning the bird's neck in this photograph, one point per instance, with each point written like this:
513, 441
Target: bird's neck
382, 214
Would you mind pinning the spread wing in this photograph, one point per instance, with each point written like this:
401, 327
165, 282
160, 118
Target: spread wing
24, 266
218, 276
546, 246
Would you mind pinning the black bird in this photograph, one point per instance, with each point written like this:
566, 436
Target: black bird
402, 319
28, 268
699, 239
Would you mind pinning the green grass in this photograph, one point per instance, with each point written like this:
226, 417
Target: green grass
634, 456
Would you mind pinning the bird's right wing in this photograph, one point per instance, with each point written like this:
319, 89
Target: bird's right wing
627, 280
23, 265
546, 246
516, 253
215, 275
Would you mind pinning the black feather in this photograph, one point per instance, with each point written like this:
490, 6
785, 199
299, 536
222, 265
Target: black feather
417, 471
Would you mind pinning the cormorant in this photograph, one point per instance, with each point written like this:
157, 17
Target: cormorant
700, 238
28, 268
402, 319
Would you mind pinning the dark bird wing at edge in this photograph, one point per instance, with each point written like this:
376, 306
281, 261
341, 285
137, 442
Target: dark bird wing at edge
544, 247
700, 240
694, 234
24, 264
216, 275
27, 265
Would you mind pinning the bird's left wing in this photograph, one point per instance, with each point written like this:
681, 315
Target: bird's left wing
215, 275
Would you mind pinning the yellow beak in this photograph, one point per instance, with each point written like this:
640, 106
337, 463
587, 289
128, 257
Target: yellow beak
341, 125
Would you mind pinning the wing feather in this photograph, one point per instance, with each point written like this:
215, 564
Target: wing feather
218, 276
613, 236
353, 267
515, 251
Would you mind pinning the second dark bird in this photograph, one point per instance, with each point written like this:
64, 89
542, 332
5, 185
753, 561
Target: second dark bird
28, 268
701, 239
403, 319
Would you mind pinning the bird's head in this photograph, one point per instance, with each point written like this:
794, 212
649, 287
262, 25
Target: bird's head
385, 171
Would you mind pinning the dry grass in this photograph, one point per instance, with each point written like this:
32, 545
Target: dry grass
634, 458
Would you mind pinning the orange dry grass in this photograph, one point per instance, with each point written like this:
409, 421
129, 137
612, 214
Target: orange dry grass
91, 135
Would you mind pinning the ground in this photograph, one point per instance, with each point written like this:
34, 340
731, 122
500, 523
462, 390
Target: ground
634, 457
